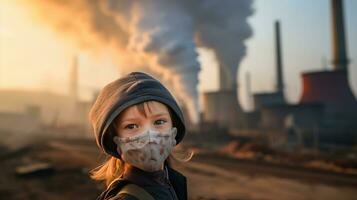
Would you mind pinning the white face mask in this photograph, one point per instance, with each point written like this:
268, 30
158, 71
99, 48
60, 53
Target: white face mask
148, 150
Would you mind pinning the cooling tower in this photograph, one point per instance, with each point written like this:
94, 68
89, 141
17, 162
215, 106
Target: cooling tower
330, 88
222, 107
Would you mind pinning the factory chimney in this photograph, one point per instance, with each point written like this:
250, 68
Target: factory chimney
340, 60
279, 64
73, 80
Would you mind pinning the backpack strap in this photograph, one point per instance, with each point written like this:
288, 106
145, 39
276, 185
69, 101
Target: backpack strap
113, 189
136, 191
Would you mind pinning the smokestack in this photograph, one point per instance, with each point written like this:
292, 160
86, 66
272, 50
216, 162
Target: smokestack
340, 60
279, 65
73, 80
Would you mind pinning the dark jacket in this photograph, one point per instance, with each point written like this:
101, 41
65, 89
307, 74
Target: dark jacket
155, 183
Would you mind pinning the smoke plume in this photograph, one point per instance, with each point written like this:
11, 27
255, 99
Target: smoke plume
157, 36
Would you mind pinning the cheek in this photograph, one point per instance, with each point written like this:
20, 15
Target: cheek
169, 123
127, 132
165, 127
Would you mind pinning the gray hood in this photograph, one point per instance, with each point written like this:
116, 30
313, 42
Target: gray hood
122, 93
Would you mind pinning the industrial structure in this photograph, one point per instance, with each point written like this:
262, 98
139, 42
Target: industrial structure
325, 114
274, 98
217, 103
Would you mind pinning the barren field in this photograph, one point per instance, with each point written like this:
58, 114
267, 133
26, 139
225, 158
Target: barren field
210, 176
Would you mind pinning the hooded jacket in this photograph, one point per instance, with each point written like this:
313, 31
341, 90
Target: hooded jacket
178, 183
122, 93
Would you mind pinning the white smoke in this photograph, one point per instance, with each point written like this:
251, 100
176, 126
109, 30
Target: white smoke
157, 36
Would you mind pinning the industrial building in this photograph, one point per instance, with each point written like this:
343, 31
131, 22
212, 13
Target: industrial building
325, 114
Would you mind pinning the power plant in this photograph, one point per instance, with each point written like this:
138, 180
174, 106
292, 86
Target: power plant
326, 112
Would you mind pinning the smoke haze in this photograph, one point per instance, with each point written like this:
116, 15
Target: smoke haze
157, 36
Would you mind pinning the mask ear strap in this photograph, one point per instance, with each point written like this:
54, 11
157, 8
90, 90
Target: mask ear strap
119, 151
116, 140
174, 131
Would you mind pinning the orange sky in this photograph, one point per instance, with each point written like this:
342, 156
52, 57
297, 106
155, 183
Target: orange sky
33, 56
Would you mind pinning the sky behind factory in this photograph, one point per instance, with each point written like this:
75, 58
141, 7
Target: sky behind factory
33, 56
306, 43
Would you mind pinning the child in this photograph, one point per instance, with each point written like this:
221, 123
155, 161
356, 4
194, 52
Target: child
138, 122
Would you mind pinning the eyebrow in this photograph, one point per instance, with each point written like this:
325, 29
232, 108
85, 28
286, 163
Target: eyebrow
129, 119
160, 114
133, 119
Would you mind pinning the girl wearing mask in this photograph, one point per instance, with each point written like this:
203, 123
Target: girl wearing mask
137, 122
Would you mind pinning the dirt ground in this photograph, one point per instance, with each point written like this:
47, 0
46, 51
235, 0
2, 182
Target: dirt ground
209, 176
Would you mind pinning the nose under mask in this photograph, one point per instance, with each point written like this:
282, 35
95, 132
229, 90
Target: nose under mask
147, 150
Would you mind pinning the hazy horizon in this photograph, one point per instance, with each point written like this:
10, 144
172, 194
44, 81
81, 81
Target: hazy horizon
33, 56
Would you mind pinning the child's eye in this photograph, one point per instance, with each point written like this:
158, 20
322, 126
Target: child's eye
131, 126
160, 122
